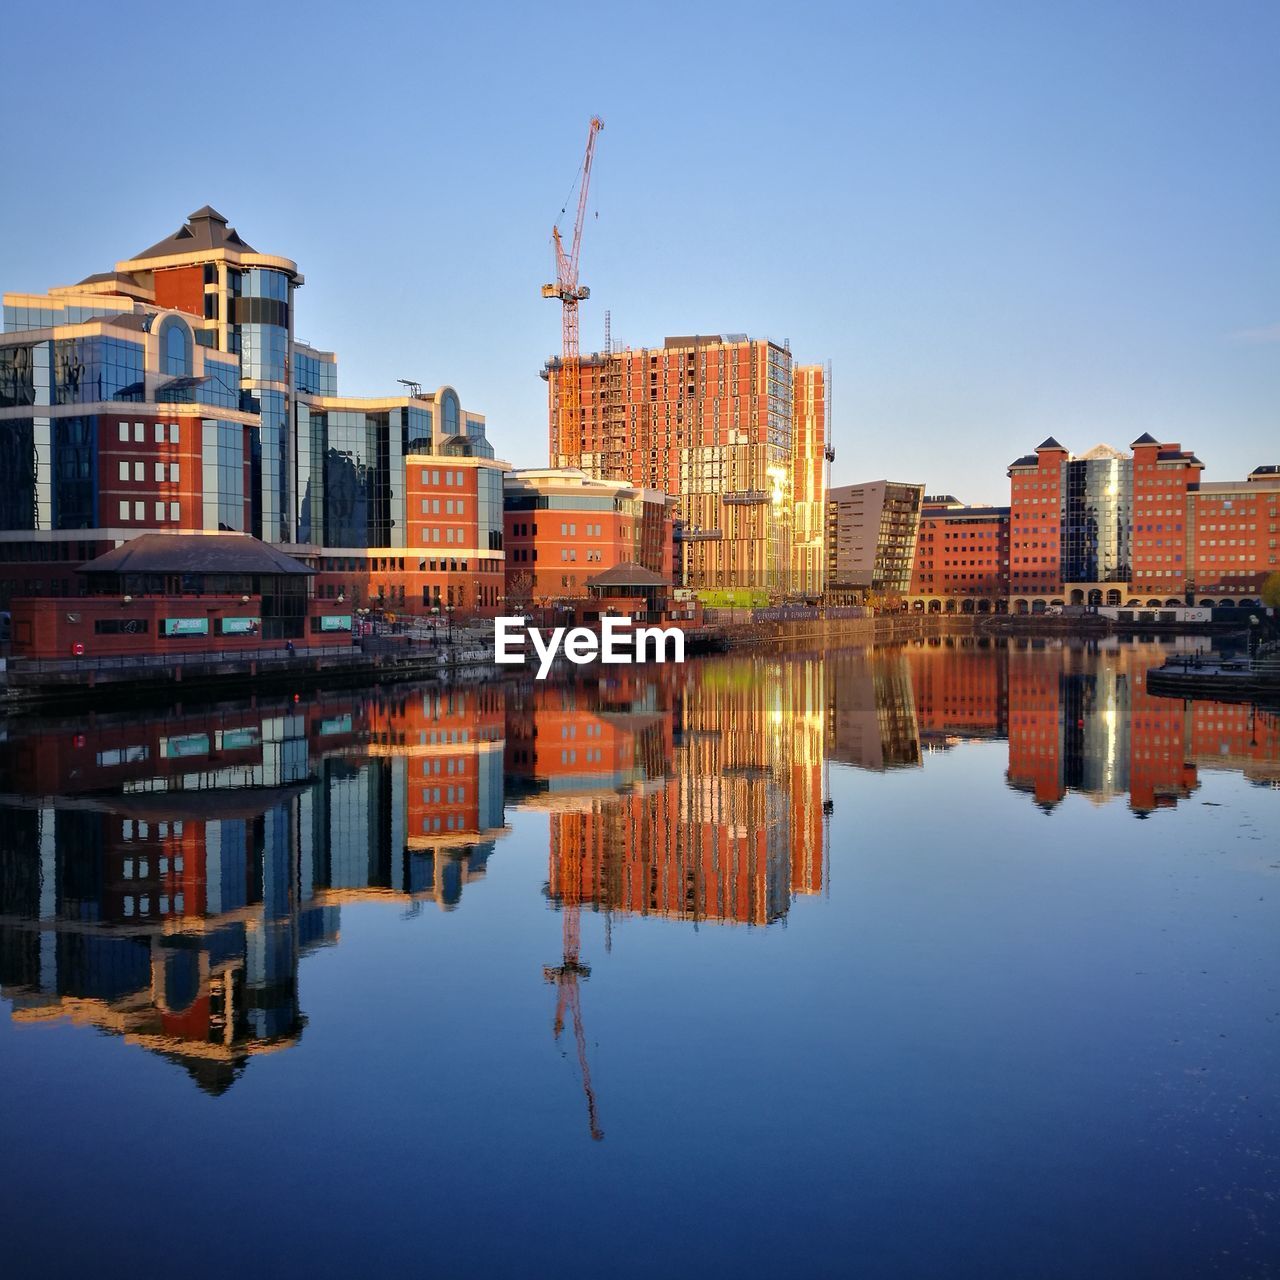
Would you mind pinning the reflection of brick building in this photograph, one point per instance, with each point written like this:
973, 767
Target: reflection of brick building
736, 826
729, 426
1235, 735
1076, 724
1035, 726
959, 688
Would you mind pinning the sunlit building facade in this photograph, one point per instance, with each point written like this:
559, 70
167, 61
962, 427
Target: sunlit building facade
564, 528
171, 394
961, 562
1137, 530
729, 426
871, 537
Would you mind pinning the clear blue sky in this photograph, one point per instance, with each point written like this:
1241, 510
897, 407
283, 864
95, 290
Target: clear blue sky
999, 221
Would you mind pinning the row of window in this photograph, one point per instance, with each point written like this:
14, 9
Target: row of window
452, 795
164, 511
433, 766
162, 471
143, 906
138, 433
141, 868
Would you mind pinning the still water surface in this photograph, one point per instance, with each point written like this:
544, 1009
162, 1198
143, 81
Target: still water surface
951, 960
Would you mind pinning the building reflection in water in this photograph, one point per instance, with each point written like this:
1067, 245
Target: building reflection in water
161, 879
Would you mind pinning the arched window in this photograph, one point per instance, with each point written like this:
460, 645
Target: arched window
450, 412
175, 348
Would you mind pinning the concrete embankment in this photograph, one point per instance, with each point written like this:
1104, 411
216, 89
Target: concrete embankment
152, 682
469, 657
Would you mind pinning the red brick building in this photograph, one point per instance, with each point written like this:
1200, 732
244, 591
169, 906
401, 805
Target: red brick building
1164, 477
728, 425
1035, 521
562, 528
1234, 536
961, 560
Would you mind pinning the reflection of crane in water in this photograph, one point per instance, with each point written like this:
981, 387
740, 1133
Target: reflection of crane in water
565, 976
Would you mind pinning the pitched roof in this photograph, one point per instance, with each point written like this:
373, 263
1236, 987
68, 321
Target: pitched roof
204, 229
628, 574
1145, 438
1050, 443
179, 553
1102, 453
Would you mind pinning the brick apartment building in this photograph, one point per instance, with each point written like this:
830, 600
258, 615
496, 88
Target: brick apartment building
1107, 528
729, 426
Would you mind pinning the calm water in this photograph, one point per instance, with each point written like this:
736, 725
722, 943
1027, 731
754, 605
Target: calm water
946, 961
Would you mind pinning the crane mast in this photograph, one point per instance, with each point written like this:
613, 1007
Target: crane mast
566, 977
569, 292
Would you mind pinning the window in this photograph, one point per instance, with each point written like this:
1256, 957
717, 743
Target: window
124, 433
173, 433
175, 511
159, 472
159, 510
139, 510
175, 347
124, 471
139, 471
159, 433
124, 511
139, 432
173, 473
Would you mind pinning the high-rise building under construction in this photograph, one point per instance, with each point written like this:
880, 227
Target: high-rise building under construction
727, 425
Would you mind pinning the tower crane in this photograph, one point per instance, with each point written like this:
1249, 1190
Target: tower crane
567, 289
565, 976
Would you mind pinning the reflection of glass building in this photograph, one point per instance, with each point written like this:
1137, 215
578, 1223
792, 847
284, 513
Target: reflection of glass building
871, 713
180, 931
194, 858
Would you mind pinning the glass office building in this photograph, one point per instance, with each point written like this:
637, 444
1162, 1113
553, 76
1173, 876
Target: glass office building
1097, 517
172, 394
